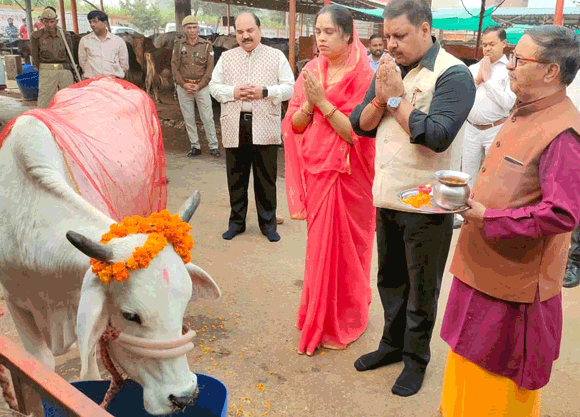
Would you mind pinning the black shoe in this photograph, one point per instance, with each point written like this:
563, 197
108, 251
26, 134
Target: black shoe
572, 277
376, 359
215, 152
409, 382
272, 236
232, 232
194, 152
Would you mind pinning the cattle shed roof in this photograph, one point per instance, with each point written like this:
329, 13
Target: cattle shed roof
536, 16
308, 6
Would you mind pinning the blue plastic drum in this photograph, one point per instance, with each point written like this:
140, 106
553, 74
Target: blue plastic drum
212, 402
27, 68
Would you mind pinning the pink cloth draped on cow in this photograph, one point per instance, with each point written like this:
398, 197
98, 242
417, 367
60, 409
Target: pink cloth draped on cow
329, 183
109, 134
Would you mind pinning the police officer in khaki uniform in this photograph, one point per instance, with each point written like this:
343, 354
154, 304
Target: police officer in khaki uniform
49, 55
192, 65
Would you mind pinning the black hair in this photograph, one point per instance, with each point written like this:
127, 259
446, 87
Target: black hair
375, 36
417, 11
99, 15
500, 32
256, 18
51, 8
341, 17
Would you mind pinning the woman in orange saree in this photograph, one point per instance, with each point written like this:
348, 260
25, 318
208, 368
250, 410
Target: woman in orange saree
329, 174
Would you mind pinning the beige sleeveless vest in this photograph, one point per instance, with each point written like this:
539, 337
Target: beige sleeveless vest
399, 164
266, 121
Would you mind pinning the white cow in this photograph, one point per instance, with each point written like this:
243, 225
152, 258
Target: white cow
42, 273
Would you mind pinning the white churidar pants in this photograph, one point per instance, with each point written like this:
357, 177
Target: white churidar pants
476, 144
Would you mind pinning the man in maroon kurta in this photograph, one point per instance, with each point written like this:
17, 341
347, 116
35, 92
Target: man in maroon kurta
504, 312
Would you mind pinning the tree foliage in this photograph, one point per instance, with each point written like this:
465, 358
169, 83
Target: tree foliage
144, 15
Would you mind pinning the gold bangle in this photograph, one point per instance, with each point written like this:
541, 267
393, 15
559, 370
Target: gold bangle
330, 113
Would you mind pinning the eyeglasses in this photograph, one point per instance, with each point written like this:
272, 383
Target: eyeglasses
515, 59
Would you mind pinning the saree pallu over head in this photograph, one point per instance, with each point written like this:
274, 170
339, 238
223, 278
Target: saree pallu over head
319, 148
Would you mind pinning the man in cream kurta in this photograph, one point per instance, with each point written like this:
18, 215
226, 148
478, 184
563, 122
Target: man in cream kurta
251, 82
101, 52
415, 107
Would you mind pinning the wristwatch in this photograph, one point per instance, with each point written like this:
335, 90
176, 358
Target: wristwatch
393, 102
264, 92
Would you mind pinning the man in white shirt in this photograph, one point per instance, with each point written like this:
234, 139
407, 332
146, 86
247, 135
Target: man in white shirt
251, 82
101, 52
376, 49
494, 100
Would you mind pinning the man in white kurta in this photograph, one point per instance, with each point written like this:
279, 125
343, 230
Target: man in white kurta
493, 101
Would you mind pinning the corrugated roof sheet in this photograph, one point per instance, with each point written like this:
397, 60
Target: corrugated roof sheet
521, 11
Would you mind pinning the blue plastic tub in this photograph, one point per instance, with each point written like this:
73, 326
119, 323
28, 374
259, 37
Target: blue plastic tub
212, 402
28, 84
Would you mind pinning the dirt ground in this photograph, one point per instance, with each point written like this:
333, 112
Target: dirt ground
248, 339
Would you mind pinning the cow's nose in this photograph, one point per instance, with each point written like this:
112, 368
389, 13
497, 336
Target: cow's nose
187, 401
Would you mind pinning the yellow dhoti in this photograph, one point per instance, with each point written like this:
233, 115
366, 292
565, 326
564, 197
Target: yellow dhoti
471, 391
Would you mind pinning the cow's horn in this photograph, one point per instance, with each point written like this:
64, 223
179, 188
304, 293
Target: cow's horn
90, 248
188, 208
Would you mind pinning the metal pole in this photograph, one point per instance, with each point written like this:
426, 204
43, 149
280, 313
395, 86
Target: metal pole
228, 16
62, 14
478, 42
29, 27
292, 35
73, 12
559, 14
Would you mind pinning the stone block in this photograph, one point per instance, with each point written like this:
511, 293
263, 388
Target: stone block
13, 65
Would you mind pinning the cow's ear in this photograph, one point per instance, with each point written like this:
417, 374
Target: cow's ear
203, 285
92, 320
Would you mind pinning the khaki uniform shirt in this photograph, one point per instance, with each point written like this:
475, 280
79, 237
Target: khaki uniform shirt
192, 62
48, 49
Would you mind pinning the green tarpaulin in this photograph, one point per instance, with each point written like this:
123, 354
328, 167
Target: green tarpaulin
517, 31
461, 19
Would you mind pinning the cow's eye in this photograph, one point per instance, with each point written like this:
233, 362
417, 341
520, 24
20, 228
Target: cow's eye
131, 317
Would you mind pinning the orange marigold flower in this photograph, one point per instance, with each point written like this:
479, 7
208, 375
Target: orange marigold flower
161, 227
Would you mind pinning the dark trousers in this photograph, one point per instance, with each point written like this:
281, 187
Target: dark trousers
263, 161
412, 251
574, 253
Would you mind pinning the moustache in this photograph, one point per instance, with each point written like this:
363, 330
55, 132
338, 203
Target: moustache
248, 40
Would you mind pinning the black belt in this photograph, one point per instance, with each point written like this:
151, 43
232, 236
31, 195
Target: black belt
245, 116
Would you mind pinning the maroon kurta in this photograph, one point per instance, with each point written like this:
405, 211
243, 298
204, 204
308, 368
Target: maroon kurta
519, 340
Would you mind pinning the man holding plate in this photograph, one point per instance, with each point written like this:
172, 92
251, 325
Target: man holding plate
415, 106
503, 320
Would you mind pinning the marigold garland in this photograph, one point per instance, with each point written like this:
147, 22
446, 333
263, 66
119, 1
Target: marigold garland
162, 229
